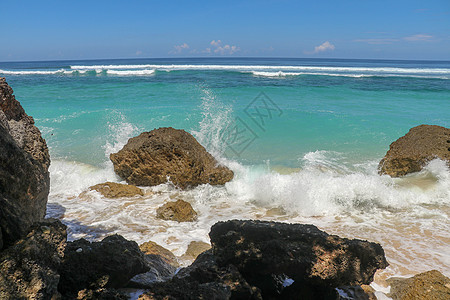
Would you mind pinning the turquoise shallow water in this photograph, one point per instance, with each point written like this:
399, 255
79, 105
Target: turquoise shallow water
311, 133
358, 113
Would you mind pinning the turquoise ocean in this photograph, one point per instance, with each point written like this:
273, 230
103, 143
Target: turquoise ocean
303, 136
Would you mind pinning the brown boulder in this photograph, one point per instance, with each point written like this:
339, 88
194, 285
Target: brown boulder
117, 190
413, 151
29, 268
24, 162
424, 286
195, 248
180, 211
152, 157
152, 248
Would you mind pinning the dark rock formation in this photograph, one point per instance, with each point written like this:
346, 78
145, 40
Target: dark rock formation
117, 190
204, 279
413, 151
110, 263
180, 211
100, 294
152, 248
269, 255
152, 157
29, 268
159, 271
24, 162
425, 286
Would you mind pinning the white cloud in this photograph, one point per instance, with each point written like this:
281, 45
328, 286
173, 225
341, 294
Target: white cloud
138, 52
217, 48
179, 48
327, 46
377, 41
418, 37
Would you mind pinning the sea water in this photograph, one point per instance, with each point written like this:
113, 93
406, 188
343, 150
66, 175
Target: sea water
303, 137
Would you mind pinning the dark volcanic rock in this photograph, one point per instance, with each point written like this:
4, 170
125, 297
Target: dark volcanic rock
24, 162
159, 271
150, 158
204, 279
431, 285
268, 254
110, 263
29, 268
411, 152
152, 248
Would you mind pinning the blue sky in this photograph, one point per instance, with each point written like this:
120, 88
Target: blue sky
54, 30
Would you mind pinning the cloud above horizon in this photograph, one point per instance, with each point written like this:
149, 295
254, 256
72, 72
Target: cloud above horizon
418, 37
324, 47
179, 48
411, 38
217, 48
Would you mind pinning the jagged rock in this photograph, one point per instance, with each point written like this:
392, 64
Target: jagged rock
152, 248
101, 294
364, 292
159, 271
29, 268
425, 286
204, 279
413, 151
195, 248
110, 263
271, 254
180, 211
152, 157
117, 190
24, 162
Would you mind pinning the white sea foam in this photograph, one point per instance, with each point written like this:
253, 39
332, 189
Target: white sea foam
375, 70
129, 72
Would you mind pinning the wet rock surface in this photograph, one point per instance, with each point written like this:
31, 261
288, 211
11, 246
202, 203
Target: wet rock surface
413, 151
270, 254
204, 279
152, 157
425, 286
29, 268
152, 248
180, 211
24, 162
117, 190
195, 248
110, 263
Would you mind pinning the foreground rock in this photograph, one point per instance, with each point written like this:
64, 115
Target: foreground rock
152, 157
270, 254
180, 211
204, 279
110, 263
24, 162
424, 286
413, 151
29, 268
117, 190
152, 248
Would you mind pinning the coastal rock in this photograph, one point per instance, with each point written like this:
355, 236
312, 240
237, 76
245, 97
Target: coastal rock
167, 153
195, 248
160, 271
152, 248
110, 263
101, 294
180, 211
29, 268
285, 259
117, 190
424, 286
204, 279
413, 151
24, 162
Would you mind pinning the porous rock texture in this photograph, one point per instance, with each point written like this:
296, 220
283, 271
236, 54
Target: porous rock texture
163, 154
29, 267
24, 176
413, 151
